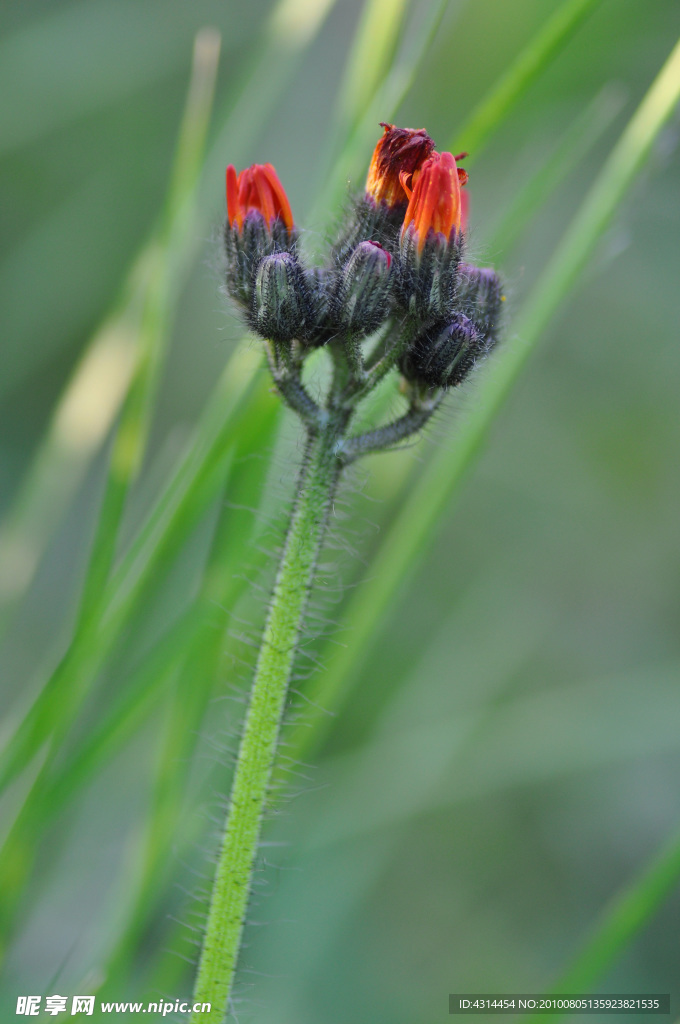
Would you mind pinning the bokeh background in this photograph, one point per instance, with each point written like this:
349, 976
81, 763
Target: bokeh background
508, 757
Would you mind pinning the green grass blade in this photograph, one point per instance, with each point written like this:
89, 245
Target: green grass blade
599, 207
290, 30
370, 58
533, 60
415, 525
70, 683
198, 629
130, 439
193, 486
121, 365
124, 716
360, 142
94, 394
621, 921
584, 133
81, 420
371, 55
197, 674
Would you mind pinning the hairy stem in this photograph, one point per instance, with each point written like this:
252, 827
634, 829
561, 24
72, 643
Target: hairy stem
286, 374
390, 434
316, 487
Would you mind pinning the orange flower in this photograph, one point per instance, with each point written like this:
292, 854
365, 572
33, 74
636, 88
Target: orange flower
435, 199
258, 189
398, 155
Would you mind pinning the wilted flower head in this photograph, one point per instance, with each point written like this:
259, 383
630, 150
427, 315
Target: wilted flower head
398, 155
435, 199
257, 190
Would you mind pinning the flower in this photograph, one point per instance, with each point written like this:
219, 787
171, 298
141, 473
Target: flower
256, 190
434, 200
399, 154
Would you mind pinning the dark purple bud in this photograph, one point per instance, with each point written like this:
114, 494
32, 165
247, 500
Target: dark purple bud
479, 294
443, 356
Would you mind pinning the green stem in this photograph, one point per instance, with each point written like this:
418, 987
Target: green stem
390, 434
316, 487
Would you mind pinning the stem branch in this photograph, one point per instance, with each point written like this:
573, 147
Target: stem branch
286, 374
390, 434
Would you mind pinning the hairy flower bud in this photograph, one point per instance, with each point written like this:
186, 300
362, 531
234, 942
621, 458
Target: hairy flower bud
479, 294
364, 290
281, 307
259, 222
443, 356
434, 201
431, 240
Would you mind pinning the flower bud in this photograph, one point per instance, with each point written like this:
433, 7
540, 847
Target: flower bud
427, 280
479, 294
281, 306
434, 205
431, 239
443, 356
323, 326
364, 290
259, 222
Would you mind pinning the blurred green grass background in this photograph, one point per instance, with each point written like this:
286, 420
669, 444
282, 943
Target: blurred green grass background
508, 757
